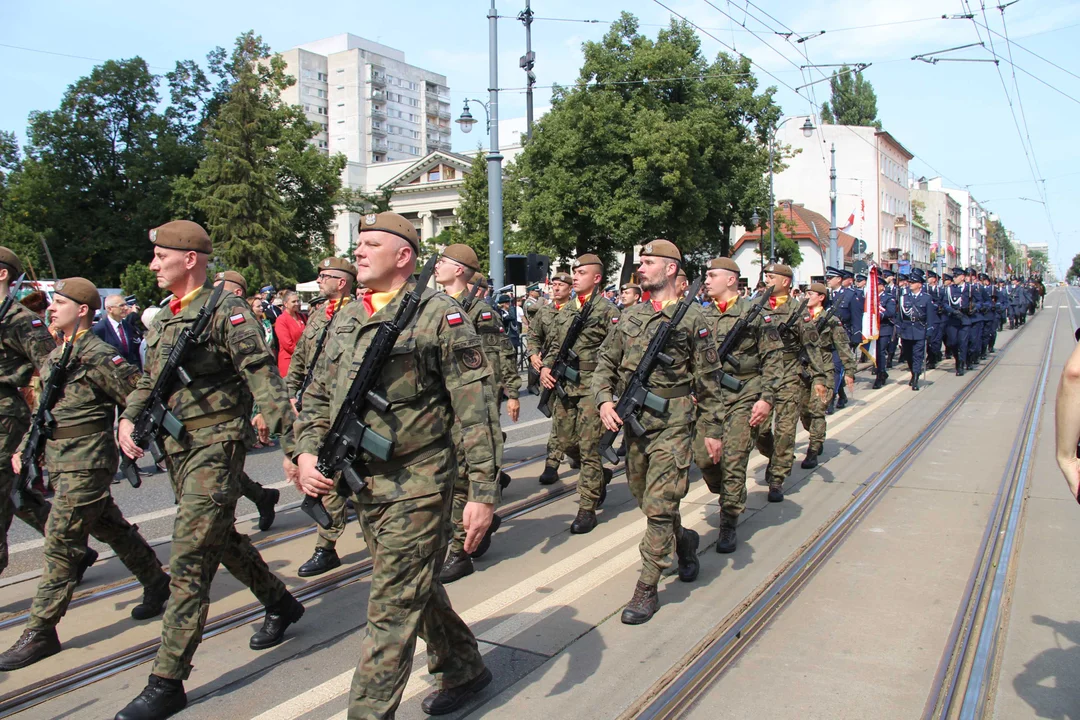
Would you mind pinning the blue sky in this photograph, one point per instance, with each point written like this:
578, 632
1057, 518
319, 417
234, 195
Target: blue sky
953, 116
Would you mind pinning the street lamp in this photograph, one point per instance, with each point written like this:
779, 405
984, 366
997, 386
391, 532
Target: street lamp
755, 222
807, 130
466, 121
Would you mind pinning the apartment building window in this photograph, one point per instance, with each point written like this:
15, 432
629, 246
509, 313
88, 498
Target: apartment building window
323, 76
433, 176
323, 145
450, 173
320, 93
322, 111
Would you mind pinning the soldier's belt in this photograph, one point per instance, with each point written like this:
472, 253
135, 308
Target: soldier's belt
82, 429
791, 357
214, 418
394, 464
586, 366
672, 392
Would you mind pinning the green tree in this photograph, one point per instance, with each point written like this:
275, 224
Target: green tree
853, 100
1073, 273
472, 213
356, 202
139, 280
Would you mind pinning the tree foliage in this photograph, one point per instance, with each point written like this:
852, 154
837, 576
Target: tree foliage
139, 280
1073, 273
853, 100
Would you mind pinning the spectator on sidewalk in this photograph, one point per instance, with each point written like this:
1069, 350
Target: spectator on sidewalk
1067, 422
288, 329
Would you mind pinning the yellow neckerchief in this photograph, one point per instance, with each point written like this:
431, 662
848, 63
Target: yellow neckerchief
582, 300
659, 305
184, 301
79, 334
776, 301
458, 294
816, 311
727, 305
376, 301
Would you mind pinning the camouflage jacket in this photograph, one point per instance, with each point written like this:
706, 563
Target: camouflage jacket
604, 318
538, 341
438, 377
693, 349
231, 362
757, 358
25, 342
776, 319
834, 337
305, 346
501, 355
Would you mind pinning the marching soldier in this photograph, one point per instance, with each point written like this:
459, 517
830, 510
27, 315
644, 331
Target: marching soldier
916, 311
975, 333
336, 279
776, 439
843, 299
886, 331
230, 363
81, 457
894, 290
629, 296
658, 462
832, 339
576, 415
533, 303
439, 377
934, 333
957, 305
756, 363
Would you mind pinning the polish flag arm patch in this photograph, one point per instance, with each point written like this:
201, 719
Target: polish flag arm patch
485, 315
237, 319
453, 319
117, 360
703, 333
36, 322
615, 320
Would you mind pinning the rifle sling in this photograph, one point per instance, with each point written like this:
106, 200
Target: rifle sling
82, 429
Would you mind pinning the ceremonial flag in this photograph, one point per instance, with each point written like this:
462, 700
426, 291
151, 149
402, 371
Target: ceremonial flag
871, 320
850, 222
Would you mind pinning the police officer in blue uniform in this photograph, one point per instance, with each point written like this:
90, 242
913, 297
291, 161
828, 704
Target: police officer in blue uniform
933, 340
976, 330
840, 300
886, 332
917, 315
958, 326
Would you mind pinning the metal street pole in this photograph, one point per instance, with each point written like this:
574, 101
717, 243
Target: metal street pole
772, 202
526, 16
834, 250
494, 158
941, 249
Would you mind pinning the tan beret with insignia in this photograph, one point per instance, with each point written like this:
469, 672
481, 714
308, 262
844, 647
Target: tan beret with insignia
588, 259
632, 286
339, 264
819, 288
779, 269
182, 235
662, 248
233, 277
463, 255
479, 280
724, 263
394, 224
9, 258
561, 277
80, 290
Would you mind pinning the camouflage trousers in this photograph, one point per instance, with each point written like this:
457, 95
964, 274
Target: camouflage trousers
338, 511
206, 483
66, 532
250, 489
407, 540
728, 479
813, 413
776, 438
12, 429
577, 422
560, 445
658, 472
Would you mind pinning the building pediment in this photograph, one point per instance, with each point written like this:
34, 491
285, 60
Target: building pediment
419, 175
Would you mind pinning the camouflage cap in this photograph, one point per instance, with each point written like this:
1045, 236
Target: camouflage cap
463, 255
339, 264
780, 269
182, 235
479, 280
233, 277
588, 259
819, 288
9, 258
80, 290
661, 248
394, 224
561, 277
724, 263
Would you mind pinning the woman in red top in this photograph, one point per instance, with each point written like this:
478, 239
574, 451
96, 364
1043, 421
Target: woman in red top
288, 328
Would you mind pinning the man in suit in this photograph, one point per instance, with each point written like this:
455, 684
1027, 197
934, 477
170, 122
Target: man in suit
114, 329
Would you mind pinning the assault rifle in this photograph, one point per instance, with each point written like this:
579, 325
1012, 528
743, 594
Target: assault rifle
563, 369
314, 359
5, 307
349, 437
787, 330
156, 416
636, 395
734, 336
41, 429
470, 297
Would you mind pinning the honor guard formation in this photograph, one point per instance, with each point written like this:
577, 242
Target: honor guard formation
391, 408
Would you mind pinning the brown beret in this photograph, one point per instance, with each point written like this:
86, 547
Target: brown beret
662, 248
479, 280
561, 277
182, 235
819, 288
724, 263
394, 224
233, 277
9, 258
588, 259
780, 269
632, 286
339, 264
681, 273
463, 255
80, 290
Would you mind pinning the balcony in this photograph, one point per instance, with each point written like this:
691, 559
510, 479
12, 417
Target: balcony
378, 79
377, 95
378, 113
444, 113
379, 145
378, 128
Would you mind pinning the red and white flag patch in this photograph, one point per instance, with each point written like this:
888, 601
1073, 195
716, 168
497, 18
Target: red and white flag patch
237, 319
36, 323
615, 320
117, 360
703, 333
485, 315
453, 319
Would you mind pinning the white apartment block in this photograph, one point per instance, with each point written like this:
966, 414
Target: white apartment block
372, 105
871, 185
943, 218
972, 225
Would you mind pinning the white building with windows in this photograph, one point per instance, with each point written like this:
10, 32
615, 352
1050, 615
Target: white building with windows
973, 219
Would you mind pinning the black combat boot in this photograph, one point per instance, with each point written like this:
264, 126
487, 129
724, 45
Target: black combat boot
284, 613
915, 382
642, 606
161, 698
267, 508
621, 450
686, 546
485, 542
447, 700
879, 381
811, 460
322, 560
841, 401
727, 540
458, 565
776, 491
584, 522
153, 600
33, 645
88, 560
550, 476
603, 487
574, 463
504, 480
831, 407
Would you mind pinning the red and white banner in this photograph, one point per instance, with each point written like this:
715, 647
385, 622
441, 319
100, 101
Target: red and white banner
871, 322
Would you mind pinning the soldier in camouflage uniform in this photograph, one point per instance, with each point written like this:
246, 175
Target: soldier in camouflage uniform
336, 279
776, 439
25, 342
831, 338
541, 344
658, 462
81, 457
205, 470
457, 272
576, 415
439, 377
756, 362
